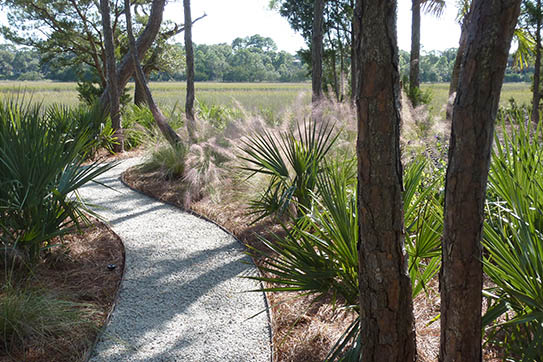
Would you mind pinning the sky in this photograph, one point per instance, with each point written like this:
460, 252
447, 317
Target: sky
229, 19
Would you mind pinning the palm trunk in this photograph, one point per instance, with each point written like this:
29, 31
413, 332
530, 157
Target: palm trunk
537, 71
475, 109
386, 311
414, 66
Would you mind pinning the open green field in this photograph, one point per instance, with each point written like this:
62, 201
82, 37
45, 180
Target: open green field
252, 96
274, 97
519, 91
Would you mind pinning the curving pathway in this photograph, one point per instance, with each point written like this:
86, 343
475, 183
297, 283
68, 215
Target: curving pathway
182, 298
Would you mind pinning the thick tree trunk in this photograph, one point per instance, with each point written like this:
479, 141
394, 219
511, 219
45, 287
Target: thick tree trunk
189, 54
112, 81
474, 112
386, 313
316, 50
160, 119
125, 70
414, 66
536, 92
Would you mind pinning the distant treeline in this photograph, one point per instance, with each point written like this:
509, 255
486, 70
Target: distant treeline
436, 67
251, 59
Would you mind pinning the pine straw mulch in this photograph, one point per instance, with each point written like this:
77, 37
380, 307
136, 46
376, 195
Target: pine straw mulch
301, 331
76, 271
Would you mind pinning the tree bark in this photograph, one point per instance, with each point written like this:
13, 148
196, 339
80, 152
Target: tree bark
316, 50
414, 62
459, 56
139, 91
189, 54
487, 47
160, 119
112, 81
536, 91
386, 312
355, 47
126, 67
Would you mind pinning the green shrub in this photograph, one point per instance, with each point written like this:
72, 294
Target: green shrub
318, 256
41, 167
293, 162
218, 115
513, 239
170, 161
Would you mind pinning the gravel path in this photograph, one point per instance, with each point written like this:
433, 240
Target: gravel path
182, 298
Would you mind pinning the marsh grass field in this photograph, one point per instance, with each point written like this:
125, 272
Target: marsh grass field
254, 97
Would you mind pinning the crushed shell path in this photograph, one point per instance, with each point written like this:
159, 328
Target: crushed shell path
182, 297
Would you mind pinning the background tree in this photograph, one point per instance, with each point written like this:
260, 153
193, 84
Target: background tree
430, 6
316, 51
530, 21
111, 72
386, 313
474, 112
337, 35
189, 54
160, 119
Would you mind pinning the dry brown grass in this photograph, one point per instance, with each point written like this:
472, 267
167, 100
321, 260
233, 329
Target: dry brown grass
76, 271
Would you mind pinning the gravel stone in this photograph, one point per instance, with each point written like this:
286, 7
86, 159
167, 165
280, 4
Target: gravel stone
182, 297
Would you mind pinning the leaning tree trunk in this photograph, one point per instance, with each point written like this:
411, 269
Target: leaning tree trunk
536, 91
316, 51
414, 63
189, 54
160, 119
139, 90
126, 68
386, 311
474, 112
112, 80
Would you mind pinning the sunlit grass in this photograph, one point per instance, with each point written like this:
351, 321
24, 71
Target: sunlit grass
252, 96
275, 97
440, 91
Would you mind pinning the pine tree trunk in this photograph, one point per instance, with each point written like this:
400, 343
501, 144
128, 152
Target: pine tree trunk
386, 312
189, 55
475, 109
414, 63
316, 51
112, 79
536, 91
